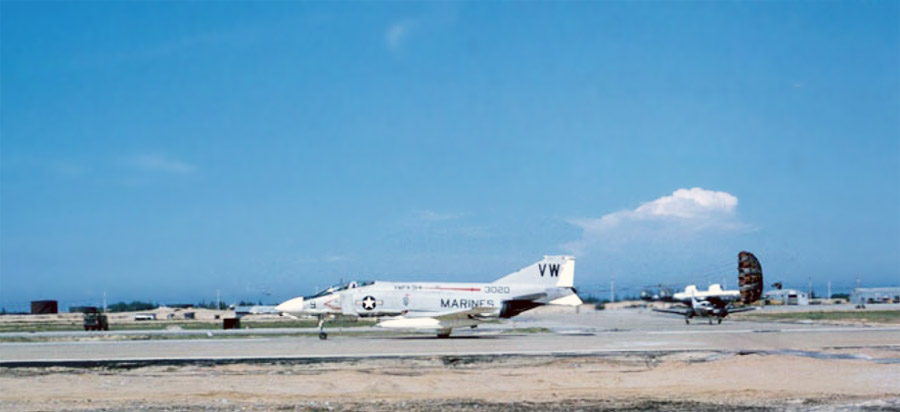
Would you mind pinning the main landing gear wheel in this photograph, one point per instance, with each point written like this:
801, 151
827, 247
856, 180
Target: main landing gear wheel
720, 321
322, 334
687, 321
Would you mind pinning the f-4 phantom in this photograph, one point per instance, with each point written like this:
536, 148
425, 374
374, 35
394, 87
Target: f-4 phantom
715, 303
442, 306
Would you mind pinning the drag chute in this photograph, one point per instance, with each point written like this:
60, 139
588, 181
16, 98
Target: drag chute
750, 277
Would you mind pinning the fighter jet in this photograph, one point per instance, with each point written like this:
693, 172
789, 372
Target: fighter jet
442, 306
715, 303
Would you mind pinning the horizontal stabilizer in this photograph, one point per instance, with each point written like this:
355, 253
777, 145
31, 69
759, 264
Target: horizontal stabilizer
571, 300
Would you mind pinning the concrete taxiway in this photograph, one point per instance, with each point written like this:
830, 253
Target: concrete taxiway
626, 360
590, 333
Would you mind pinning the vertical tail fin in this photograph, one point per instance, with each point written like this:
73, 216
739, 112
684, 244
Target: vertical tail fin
556, 271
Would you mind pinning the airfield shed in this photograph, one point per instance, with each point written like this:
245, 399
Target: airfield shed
42, 307
787, 297
875, 295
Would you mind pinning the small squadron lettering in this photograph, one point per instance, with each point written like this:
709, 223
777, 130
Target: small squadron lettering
466, 303
554, 269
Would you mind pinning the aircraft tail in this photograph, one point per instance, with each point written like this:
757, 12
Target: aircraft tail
556, 271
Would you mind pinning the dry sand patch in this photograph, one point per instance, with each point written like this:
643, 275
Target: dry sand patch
709, 378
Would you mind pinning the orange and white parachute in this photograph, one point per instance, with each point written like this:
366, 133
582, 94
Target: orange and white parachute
750, 277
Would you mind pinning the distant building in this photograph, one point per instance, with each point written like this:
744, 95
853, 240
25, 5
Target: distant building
788, 296
875, 295
43, 307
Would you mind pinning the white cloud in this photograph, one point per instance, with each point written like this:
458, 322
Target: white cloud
693, 203
160, 164
694, 206
397, 33
669, 218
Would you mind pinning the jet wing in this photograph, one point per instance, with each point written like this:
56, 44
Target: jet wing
443, 320
677, 311
742, 309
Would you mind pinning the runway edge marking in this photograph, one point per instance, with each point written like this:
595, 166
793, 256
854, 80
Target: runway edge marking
131, 363
301, 359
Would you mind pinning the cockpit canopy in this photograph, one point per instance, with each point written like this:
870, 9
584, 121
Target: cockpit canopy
341, 286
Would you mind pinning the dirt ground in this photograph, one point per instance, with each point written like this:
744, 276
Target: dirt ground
685, 381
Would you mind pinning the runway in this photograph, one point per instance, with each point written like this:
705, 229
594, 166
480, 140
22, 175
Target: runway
615, 360
594, 333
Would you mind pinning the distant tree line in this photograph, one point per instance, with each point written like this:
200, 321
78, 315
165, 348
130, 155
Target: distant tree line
134, 306
211, 305
845, 296
137, 306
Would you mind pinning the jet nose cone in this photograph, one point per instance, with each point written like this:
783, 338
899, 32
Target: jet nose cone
294, 305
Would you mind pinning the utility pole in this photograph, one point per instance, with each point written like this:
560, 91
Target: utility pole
809, 287
829, 289
218, 299
856, 292
104, 301
612, 289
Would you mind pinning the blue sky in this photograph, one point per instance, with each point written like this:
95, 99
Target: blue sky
164, 150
